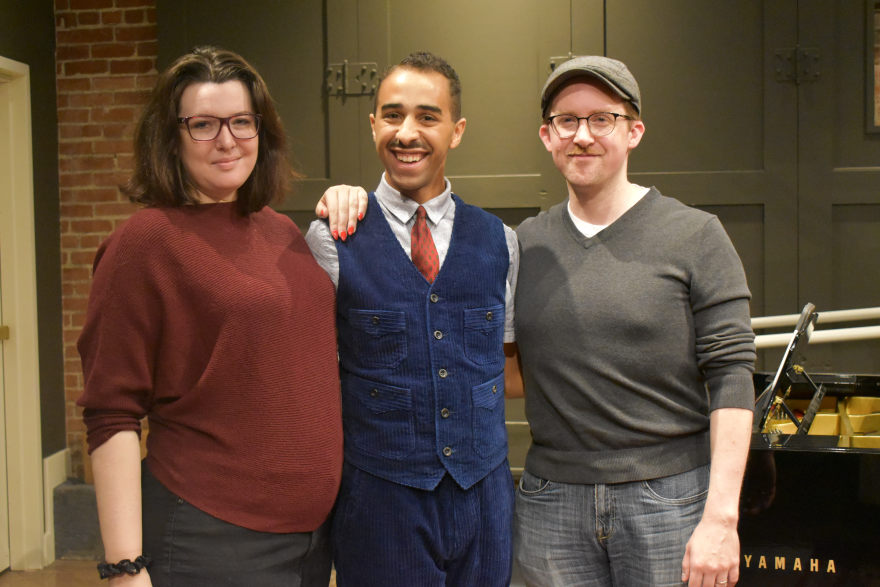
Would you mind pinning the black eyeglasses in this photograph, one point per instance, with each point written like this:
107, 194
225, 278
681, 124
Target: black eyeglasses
207, 128
600, 123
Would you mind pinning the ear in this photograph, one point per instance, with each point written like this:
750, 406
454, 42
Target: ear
373, 126
635, 134
544, 133
457, 132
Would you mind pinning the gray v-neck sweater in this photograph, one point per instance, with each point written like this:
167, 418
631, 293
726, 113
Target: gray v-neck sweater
628, 339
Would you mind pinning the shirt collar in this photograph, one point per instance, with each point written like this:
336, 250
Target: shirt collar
403, 208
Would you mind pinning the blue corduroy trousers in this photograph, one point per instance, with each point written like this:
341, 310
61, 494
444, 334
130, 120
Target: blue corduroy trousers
385, 533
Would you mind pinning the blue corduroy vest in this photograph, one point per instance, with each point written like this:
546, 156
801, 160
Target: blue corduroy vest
422, 364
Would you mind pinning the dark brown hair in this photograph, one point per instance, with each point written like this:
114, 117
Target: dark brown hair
159, 178
428, 62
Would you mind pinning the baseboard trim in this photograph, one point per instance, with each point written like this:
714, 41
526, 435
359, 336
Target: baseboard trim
56, 469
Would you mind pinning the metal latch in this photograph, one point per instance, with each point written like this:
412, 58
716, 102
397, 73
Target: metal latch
559, 60
4, 332
799, 65
352, 79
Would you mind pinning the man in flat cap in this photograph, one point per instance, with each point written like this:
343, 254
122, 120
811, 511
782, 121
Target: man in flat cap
633, 331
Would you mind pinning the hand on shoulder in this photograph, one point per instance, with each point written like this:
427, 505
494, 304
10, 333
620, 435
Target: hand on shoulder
343, 206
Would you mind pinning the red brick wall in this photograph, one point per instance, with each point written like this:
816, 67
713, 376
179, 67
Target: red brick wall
105, 66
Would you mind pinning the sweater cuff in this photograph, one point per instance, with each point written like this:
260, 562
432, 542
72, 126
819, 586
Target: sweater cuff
101, 427
731, 390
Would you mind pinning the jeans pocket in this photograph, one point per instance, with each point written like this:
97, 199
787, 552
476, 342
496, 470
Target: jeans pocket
378, 418
490, 430
484, 334
531, 485
378, 338
681, 489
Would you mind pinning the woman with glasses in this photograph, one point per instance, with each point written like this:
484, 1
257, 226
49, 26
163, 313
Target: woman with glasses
209, 316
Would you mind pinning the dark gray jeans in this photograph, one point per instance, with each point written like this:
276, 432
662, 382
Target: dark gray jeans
191, 548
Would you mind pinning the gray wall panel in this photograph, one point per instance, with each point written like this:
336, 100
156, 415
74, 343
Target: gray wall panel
697, 67
855, 250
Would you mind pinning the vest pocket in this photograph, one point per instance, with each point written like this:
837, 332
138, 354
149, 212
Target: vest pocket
490, 433
484, 334
378, 338
377, 418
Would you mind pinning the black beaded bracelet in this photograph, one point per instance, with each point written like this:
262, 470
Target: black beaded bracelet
107, 570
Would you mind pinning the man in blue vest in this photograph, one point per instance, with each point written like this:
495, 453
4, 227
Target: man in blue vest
424, 305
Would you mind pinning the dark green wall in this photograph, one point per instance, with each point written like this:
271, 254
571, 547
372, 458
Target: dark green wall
27, 35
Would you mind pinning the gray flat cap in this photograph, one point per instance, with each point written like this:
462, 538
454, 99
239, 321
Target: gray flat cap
612, 72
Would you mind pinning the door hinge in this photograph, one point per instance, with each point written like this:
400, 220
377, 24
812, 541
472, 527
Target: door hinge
4, 332
351, 79
799, 65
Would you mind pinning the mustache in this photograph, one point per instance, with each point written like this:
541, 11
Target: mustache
397, 144
582, 151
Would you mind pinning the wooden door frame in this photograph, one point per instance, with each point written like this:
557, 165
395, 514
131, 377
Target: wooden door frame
18, 287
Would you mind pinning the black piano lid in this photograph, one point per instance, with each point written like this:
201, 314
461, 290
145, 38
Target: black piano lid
836, 384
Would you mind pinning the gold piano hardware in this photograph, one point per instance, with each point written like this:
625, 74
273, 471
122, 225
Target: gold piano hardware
780, 563
4, 333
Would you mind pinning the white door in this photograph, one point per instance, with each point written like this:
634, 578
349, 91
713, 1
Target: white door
21, 468
4, 497
4, 494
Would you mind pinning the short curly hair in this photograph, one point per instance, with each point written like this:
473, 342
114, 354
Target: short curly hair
159, 178
427, 62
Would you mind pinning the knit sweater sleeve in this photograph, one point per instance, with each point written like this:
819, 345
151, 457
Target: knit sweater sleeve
725, 343
119, 340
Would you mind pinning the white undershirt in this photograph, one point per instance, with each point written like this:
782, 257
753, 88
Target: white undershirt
591, 230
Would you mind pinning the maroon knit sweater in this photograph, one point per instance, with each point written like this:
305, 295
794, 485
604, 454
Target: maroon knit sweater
222, 330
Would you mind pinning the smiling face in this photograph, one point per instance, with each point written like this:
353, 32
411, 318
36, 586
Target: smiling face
589, 163
217, 168
413, 130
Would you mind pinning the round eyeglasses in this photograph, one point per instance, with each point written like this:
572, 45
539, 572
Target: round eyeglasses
600, 123
207, 128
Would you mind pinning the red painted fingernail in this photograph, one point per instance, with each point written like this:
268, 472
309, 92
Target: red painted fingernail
335, 235
351, 230
360, 215
342, 236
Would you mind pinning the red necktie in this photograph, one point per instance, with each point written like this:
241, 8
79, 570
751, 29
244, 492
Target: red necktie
424, 253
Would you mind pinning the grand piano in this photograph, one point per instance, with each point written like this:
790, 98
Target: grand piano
810, 508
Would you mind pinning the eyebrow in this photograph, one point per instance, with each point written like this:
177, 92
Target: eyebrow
588, 115
427, 107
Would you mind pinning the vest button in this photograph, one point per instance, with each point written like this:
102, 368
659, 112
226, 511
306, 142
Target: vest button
444, 413
442, 373
494, 389
438, 335
375, 320
374, 393
488, 315
434, 298
447, 452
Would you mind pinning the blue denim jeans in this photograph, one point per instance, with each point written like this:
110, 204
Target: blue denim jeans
386, 534
624, 534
